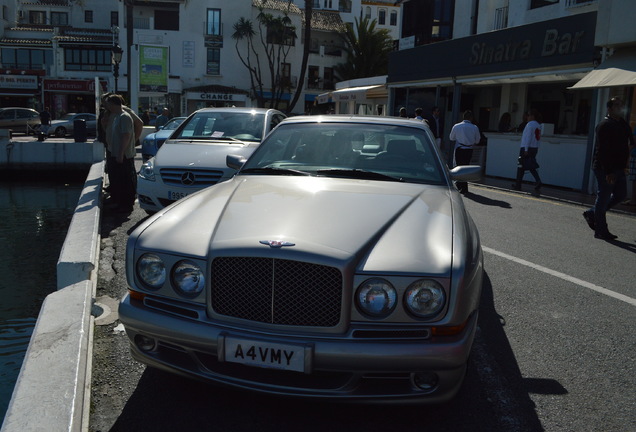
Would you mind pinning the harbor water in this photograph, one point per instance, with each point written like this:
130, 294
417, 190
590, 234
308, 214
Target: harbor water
34, 219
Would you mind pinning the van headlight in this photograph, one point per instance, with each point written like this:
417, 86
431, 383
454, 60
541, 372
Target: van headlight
147, 171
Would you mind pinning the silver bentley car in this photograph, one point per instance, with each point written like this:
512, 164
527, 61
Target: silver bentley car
338, 263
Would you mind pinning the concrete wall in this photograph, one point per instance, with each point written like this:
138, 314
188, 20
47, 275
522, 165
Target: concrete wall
49, 154
52, 392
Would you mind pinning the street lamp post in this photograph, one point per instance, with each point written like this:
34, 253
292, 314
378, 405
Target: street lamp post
116, 59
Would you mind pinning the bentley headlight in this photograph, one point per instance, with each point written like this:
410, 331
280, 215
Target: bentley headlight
147, 170
151, 270
188, 278
424, 298
376, 297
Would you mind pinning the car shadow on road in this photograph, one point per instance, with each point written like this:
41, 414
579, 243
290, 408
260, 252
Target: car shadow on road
494, 397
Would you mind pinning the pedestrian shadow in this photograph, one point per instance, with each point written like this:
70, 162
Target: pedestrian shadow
480, 199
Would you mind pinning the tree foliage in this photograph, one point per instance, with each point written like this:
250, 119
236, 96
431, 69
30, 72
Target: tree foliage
274, 39
367, 50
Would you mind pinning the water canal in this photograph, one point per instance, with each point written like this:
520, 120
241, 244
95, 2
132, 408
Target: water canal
34, 219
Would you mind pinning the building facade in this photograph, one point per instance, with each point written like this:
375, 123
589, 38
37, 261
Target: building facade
175, 53
503, 57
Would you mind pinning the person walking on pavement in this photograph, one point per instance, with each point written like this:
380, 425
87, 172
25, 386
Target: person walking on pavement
436, 125
466, 135
611, 155
45, 121
530, 142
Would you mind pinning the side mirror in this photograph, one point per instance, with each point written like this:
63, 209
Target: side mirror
466, 173
235, 161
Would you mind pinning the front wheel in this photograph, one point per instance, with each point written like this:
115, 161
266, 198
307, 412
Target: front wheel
60, 132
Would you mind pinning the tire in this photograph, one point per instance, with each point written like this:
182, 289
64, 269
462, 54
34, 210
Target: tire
60, 132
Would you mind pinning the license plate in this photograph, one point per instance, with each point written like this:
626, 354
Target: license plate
174, 196
265, 354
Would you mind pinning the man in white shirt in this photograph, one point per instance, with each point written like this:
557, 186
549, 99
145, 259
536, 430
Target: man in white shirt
466, 135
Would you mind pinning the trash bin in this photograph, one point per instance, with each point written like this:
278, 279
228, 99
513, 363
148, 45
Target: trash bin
79, 130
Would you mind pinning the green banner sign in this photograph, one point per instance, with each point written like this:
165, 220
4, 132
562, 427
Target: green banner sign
153, 68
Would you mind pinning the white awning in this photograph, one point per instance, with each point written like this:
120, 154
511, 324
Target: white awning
357, 94
617, 70
324, 98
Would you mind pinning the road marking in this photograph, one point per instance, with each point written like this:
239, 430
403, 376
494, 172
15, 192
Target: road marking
563, 276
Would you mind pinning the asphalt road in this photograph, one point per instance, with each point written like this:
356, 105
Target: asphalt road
554, 351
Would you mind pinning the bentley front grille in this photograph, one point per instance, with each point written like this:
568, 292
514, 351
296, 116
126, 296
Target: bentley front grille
277, 291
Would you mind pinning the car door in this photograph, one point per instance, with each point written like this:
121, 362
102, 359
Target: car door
7, 118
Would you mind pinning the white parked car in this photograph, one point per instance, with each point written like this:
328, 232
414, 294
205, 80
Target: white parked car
194, 157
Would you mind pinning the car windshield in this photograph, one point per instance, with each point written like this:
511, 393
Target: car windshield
222, 125
67, 116
352, 150
173, 124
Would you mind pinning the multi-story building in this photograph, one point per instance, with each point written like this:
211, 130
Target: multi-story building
506, 56
175, 53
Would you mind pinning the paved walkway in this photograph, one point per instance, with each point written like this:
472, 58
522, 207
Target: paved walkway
552, 192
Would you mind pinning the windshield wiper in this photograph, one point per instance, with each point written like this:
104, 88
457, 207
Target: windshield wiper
358, 174
274, 171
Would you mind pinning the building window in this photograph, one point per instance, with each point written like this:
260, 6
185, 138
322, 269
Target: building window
37, 17
213, 62
534, 4
287, 37
20, 58
393, 18
166, 20
328, 75
382, 16
114, 18
328, 4
87, 59
213, 26
88, 16
367, 12
313, 78
59, 18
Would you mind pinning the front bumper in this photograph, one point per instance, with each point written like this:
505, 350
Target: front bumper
363, 370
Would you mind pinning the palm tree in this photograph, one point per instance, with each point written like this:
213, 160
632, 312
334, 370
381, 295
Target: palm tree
367, 51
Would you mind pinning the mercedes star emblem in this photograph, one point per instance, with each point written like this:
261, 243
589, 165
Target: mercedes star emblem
187, 178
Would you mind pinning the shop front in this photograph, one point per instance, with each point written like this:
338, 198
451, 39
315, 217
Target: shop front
214, 96
70, 95
20, 88
504, 74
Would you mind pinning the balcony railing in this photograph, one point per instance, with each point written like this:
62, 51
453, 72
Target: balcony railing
501, 18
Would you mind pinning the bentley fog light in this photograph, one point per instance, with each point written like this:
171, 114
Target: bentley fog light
376, 297
425, 381
147, 170
424, 298
188, 279
151, 270
145, 343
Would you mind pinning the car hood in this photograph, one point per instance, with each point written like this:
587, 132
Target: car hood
378, 226
206, 154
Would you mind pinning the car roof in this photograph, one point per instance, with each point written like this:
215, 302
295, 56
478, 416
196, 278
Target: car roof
343, 118
20, 108
239, 109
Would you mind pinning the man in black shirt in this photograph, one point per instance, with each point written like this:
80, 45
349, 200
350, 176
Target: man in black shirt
611, 156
